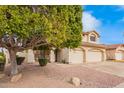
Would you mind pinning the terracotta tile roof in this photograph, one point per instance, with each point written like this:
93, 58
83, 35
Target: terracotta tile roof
114, 46
86, 33
93, 45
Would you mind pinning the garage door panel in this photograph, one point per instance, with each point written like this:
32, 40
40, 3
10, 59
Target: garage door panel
119, 56
94, 56
76, 56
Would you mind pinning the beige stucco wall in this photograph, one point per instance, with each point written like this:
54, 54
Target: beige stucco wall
85, 38
110, 54
64, 55
52, 56
28, 54
7, 56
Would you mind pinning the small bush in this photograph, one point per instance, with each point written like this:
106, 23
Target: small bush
19, 60
43, 61
2, 58
64, 62
2, 62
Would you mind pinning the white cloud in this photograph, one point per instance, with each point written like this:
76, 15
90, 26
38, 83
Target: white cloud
90, 22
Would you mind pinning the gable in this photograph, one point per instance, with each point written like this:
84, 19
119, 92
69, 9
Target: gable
94, 33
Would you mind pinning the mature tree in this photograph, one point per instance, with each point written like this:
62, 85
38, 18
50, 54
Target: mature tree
24, 27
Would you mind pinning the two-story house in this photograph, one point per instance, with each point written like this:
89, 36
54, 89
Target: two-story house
90, 51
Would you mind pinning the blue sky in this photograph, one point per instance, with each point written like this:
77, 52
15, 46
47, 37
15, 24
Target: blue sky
108, 21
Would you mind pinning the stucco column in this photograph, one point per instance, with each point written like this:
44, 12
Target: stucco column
7, 56
30, 56
85, 55
104, 56
52, 56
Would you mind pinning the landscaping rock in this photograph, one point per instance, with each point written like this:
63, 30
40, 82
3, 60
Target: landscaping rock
75, 81
2, 75
15, 78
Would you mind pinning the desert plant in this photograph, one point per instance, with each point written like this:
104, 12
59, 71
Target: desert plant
63, 61
2, 62
2, 58
19, 60
43, 61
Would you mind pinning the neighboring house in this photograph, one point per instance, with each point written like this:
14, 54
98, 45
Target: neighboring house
90, 51
115, 52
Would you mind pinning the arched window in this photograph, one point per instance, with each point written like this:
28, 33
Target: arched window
92, 37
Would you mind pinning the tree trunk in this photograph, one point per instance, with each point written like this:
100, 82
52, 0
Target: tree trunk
14, 68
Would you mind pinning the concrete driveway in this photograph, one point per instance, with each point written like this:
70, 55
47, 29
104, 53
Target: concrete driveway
115, 68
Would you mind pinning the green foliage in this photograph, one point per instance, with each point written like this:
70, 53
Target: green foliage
74, 30
64, 62
2, 58
58, 26
43, 47
21, 22
66, 26
43, 62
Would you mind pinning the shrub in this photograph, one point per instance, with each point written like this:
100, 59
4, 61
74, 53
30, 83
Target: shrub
64, 62
2, 62
2, 58
19, 60
43, 61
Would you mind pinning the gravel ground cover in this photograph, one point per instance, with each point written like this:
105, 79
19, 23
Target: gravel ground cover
58, 75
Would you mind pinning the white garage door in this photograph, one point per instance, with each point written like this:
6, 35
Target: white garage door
76, 56
94, 56
119, 55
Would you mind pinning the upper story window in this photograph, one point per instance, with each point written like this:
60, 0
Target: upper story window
92, 38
